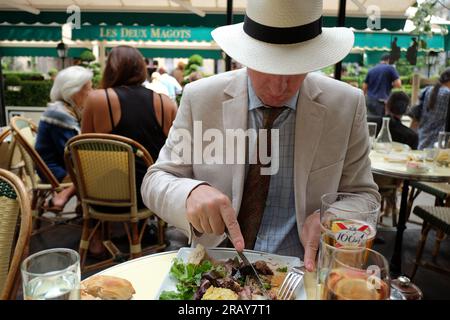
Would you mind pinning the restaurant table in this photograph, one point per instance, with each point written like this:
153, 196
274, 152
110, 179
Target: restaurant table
147, 274
398, 170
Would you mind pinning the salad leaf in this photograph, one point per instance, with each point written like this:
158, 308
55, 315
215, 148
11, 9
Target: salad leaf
188, 278
170, 295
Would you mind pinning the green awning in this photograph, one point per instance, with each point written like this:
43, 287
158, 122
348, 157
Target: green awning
169, 19
136, 33
37, 52
30, 33
178, 53
382, 41
354, 57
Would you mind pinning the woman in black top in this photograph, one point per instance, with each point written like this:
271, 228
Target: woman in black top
125, 107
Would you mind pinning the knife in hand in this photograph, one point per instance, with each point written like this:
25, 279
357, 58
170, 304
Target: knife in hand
252, 269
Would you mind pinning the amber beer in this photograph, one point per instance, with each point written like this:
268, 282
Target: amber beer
345, 284
343, 233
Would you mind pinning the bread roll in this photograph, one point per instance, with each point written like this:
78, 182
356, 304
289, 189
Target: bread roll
106, 288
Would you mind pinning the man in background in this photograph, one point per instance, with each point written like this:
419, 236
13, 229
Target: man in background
378, 85
172, 85
396, 106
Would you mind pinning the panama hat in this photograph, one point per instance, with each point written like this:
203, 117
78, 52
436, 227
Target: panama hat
284, 37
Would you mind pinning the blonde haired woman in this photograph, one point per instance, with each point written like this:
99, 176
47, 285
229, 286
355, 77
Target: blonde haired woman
60, 122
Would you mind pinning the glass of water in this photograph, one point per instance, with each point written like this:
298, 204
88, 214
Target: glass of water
52, 274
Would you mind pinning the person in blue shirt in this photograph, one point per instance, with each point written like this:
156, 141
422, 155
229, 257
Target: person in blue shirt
430, 114
378, 85
59, 123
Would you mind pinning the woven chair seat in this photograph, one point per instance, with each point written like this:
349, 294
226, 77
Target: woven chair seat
440, 190
436, 216
119, 217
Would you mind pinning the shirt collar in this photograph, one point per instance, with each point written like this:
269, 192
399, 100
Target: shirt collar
254, 102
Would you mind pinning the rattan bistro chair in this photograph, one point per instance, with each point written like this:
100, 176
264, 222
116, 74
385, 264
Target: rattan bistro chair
15, 231
103, 169
11, 158
5, 133
25, 132
437, 218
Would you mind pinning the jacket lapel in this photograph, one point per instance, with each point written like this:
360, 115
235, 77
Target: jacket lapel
309, 125
235, 113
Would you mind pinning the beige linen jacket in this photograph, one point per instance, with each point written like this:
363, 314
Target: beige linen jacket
331, 148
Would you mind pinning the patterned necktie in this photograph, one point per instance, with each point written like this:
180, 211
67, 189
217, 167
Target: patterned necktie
256, 187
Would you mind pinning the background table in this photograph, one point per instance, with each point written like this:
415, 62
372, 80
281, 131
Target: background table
147, 274
398, 170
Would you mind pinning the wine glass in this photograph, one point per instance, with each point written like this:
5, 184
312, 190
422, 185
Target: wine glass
52, 274
357, 274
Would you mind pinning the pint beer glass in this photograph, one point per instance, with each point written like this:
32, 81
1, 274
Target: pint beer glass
347, 221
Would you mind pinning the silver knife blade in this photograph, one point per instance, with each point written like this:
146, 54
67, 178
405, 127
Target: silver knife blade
254, 272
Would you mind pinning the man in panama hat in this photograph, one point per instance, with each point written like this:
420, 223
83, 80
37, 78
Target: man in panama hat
317, 125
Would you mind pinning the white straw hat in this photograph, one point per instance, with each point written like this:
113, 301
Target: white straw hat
284, 37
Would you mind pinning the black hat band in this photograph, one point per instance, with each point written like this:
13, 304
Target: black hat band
289, 35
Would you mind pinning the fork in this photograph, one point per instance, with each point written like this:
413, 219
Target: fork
290, 283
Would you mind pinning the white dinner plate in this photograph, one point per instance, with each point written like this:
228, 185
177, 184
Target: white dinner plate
273, 260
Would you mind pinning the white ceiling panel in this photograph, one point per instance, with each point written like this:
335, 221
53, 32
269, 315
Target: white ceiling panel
388, 8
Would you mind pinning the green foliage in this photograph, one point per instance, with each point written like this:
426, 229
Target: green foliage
406, 80
53, 72
194, 64
196, 59
87, 56
96, 81
405, 89
32, 93
12, 80
405, 69
25, 76
422, 20
328, 70
95, 67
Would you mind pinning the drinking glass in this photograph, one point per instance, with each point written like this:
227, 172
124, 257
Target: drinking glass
357, 274
372, 126
430, 154
348, 219
442, 158
52, 274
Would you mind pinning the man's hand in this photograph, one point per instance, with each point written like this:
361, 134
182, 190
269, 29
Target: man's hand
210, 211
310, 238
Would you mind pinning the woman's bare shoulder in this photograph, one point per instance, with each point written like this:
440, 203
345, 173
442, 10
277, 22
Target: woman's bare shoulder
97, 95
